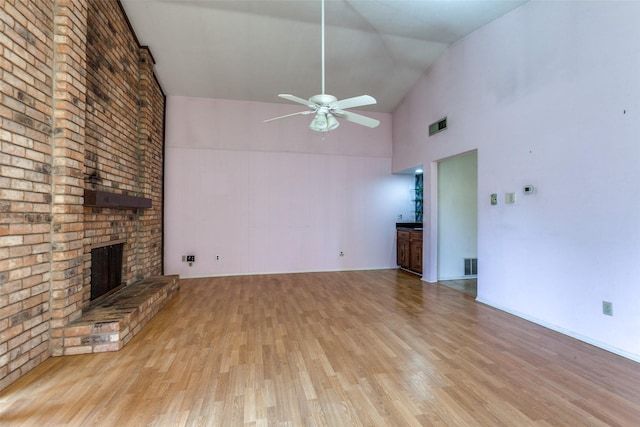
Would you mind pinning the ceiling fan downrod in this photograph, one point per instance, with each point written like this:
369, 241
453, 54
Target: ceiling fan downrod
327, 108
322, 36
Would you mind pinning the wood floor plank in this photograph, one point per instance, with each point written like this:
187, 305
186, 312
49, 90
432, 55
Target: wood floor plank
359, 348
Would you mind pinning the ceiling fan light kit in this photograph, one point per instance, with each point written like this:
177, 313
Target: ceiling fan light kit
324, 122
327, 107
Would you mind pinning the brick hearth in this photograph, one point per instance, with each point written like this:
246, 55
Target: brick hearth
110, 324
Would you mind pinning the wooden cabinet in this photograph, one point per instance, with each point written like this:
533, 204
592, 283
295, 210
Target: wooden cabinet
409, 249
415, 253
402, 251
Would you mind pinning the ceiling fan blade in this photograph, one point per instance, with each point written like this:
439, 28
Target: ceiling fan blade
294, 98
287, 115
357, 118
356, 101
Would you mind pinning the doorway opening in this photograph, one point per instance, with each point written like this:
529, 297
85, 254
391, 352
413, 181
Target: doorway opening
457, 213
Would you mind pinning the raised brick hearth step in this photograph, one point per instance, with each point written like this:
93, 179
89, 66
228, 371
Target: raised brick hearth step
110, 324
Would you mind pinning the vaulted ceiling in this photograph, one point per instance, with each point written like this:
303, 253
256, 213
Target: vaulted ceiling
254, 50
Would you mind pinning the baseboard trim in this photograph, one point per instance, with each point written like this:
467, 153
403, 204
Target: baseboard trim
567, 332
183, 276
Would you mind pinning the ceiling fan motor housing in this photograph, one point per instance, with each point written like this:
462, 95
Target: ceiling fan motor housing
323, 99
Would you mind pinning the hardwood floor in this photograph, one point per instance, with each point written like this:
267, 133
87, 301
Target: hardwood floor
370, 348
468, 286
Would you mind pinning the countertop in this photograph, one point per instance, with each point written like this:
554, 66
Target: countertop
411, 225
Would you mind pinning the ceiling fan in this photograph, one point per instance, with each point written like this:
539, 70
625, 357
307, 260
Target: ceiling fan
327, 107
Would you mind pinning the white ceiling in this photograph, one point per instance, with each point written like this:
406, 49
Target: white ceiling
254, 50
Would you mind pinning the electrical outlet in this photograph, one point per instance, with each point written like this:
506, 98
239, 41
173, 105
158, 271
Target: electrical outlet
509, 198
399, 217
607, 308
218, 257
191, 258
341, 253
184, 258
494, 199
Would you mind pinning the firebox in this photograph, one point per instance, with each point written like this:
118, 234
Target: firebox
106, 269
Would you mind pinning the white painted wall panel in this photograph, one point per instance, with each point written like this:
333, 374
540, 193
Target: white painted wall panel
549, 95
276, 197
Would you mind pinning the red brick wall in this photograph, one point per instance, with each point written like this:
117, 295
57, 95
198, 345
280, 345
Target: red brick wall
79, 109
151, 140
26, 68
68, 143
120, 87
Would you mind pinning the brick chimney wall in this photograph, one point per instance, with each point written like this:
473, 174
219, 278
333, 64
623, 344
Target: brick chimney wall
80, 109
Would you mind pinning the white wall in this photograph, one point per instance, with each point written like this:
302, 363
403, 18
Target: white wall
549, 95
276, 197
457, 214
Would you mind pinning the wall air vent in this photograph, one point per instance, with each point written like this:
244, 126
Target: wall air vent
438, 126
471, 266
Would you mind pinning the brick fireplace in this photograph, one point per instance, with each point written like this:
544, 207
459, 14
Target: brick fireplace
111, 166
82, 112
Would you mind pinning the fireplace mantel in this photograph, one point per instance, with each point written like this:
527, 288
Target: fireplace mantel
104, 199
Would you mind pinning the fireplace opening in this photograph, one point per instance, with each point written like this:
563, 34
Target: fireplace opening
106, 269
